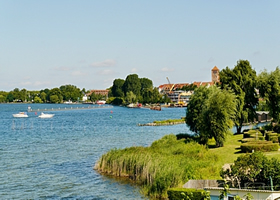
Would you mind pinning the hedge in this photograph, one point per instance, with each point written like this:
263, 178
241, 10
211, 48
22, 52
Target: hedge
186, 193
271, 136
264, 146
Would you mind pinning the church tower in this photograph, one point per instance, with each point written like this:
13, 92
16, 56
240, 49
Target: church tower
215, 75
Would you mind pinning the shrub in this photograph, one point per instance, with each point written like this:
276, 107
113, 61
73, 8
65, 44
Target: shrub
271, 136
276, 128
186, 193
264, 146
253, 134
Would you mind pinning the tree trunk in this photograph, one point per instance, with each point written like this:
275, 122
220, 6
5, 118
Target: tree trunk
238, 129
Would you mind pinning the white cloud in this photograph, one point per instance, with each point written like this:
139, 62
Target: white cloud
165, 69
78, 73
105, 63
106, 72
134, 70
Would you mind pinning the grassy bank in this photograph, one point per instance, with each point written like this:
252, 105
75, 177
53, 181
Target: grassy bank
168, 162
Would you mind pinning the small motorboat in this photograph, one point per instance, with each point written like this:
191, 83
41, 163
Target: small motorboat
20, 114
44, 115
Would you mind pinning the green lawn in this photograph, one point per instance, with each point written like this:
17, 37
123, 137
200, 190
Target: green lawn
231, 150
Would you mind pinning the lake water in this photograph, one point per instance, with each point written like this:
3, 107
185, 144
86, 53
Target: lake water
54, 158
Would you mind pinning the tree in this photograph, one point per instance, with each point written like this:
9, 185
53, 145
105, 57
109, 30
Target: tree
194, 109
43, 96
132, 84
3, 96
269, 89
55, 95
130, 97
38, 100
242, 81
10, 97
146, 84
117, 88
218, 114
210, 113
70, 92
54, 99
251, 168
94, 97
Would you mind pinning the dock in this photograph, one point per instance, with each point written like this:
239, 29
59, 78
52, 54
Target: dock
64, 108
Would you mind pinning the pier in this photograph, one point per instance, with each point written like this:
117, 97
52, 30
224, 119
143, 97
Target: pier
64, 108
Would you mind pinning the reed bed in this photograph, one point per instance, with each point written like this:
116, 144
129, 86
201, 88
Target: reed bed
167, 163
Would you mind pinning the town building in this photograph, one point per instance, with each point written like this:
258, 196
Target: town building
179, 96
101, 92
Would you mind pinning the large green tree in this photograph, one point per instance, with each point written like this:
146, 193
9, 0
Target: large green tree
194, 109
242, 81
210, 113
269, 89
117, 88
55, 95
70, 92
132, 84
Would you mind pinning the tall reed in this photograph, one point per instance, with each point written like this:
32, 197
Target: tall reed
167, 163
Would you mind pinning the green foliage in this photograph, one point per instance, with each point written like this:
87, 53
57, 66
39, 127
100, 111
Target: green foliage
95, 97
194, 109
264, 146
130, 97
167, 163
190, 87
250, 168
262, 106
117, 88
242, 81
210, 113
186, 193
54, 99
271, 136
132, 84
224, 192
38, 100
141, 88
169, 121
276, 128
55, 95
70, 92
269, 89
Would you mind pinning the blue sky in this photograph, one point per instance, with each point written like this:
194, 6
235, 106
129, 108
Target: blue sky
89, 43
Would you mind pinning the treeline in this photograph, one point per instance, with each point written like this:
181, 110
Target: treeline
134, 89
233, 101
131, 90
55, 95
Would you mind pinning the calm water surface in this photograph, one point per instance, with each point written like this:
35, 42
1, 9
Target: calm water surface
54, 158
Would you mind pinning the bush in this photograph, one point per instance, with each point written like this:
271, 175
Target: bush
264, 146
186, 193
276, 128
271, 136
253, 134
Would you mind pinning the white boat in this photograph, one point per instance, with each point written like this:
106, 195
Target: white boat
44, 115
100, 102
20, 114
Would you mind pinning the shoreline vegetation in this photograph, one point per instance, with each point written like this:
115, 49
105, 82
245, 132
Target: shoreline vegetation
165, 122
170, 162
